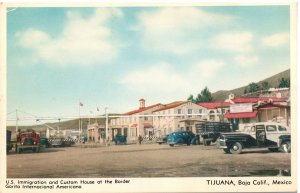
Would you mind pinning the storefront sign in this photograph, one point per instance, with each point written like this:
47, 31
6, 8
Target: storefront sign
241, 108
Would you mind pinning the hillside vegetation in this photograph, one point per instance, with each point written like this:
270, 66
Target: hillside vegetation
273, 81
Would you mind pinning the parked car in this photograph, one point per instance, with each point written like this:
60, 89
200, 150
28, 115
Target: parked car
273, 136
120, 139
182, 137
44, 142
162, 139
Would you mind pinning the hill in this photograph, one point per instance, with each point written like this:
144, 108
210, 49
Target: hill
70, 124
273, 80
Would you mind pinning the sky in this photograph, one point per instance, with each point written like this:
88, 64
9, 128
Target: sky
113, 56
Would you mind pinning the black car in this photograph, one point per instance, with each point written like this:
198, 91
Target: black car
273, 136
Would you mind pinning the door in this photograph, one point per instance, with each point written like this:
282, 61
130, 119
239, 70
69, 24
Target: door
261, 137
272, 135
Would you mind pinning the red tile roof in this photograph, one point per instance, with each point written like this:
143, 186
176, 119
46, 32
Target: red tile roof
213, 105
256, 99
171, 106
141, 109
240, 115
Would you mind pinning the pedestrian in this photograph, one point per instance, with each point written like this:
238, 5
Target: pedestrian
140, 139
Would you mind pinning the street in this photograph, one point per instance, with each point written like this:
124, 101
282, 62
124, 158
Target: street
146, 160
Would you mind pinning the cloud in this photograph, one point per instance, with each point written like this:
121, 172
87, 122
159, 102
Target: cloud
164, 81
83, 41
161, 78
177, 30
276, 40
240, 42
246, 60
206, 68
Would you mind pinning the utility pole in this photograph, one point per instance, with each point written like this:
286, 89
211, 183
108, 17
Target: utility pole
106, 123
17, 118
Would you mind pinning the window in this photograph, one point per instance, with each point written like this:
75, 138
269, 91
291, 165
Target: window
146, 117
271, 128
190, 111
281, 128
178, 111
260, 127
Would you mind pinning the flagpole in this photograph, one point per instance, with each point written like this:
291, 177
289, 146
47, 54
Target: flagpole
79, 121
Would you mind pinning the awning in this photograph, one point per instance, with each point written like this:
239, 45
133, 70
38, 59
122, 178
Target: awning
147, 125
240, 115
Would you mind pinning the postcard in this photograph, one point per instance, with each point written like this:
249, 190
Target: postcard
148, 97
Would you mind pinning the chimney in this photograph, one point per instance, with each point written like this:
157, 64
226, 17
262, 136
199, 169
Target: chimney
142, 103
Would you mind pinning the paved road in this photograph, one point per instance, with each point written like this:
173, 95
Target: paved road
147, 160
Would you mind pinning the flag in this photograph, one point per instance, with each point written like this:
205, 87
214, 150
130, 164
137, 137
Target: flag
81, 104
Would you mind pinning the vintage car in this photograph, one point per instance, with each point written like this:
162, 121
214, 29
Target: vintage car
182, 137
271, 135
120, 139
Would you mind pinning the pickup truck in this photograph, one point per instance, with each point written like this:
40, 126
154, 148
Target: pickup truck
271, 135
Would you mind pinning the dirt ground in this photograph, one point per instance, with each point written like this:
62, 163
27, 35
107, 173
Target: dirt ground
146, 160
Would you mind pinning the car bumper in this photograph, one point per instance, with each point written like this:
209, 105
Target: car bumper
221, 144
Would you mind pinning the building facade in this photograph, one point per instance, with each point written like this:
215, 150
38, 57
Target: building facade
177, 116
158, 120
135, 123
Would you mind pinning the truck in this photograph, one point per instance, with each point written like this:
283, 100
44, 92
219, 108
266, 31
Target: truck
9, 145
271, 135
210, 131
28, 140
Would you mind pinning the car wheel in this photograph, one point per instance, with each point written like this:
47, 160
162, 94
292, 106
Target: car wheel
236, 148
197, 142
172, 145
226, 150
286, 147
273, 149
206, 142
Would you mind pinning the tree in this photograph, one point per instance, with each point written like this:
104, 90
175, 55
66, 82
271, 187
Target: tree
266, 85
204, 96
284, 83
253, 87
191, 98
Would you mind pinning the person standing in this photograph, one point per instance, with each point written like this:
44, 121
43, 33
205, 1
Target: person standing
140, 139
